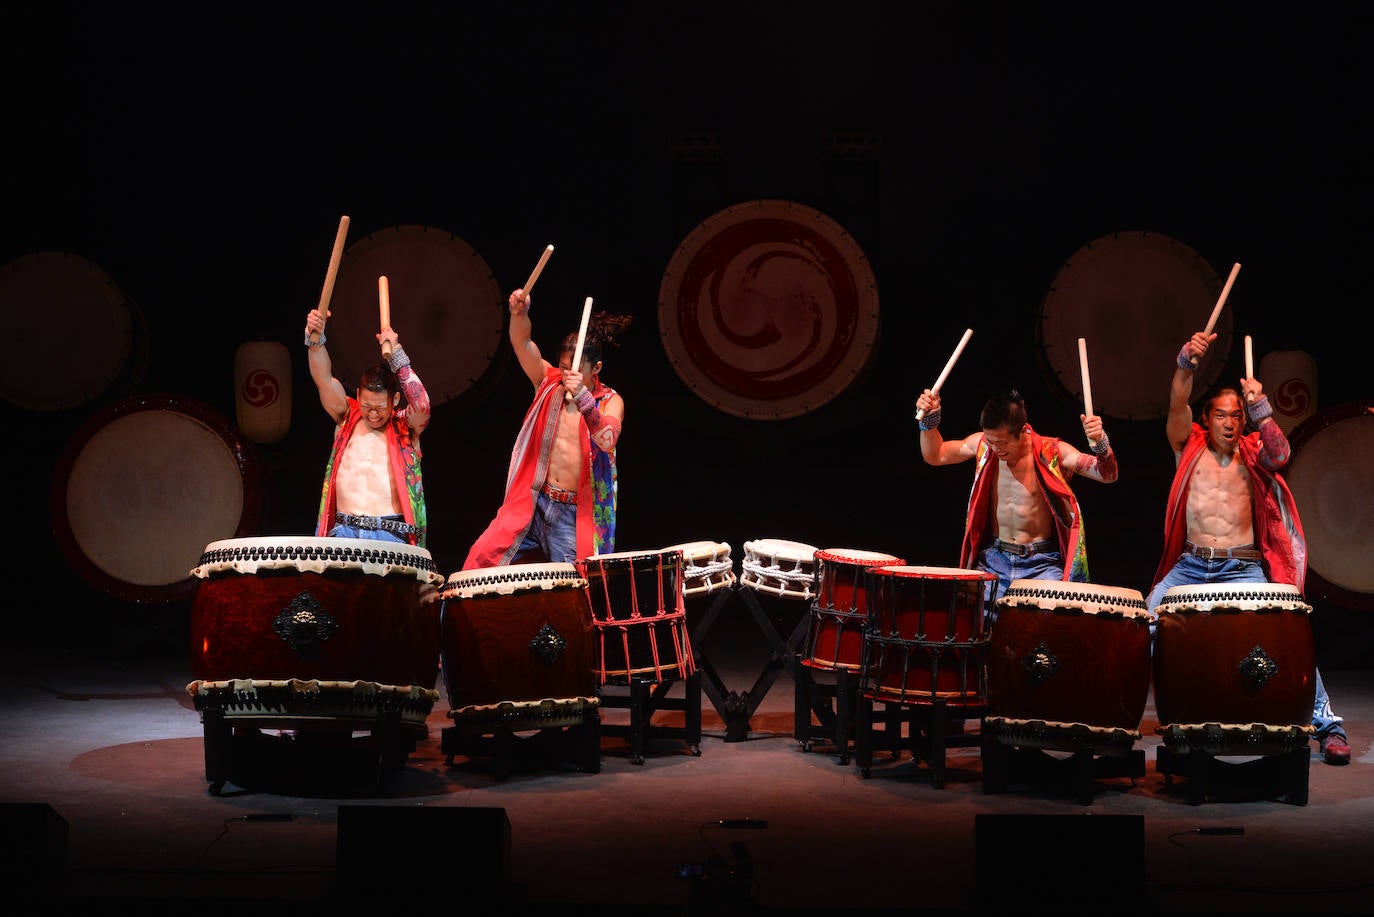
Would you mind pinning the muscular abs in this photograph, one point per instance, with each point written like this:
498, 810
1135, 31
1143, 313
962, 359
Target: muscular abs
565, 463
1218, 510
1023, 514
364, 486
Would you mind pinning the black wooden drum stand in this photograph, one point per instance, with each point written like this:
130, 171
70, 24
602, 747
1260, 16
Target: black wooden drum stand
643, 698
1279, 759
931, 729
734, 708
1016, 751
554, 730
834, 704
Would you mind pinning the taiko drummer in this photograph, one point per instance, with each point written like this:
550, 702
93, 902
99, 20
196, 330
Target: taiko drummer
372, 482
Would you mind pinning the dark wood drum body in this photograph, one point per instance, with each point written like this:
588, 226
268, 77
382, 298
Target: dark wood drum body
1234, 654
516, 633
328, 609
1070, 653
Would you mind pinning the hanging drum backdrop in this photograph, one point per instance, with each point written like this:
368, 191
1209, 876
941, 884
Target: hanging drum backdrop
1135, 297
1332, 479
143, 486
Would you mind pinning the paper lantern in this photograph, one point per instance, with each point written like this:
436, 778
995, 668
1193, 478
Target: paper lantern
262, 390
1289, 378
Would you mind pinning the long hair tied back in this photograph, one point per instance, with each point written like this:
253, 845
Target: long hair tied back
603, 331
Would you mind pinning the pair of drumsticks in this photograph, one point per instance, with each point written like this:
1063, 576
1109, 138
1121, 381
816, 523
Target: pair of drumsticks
1083, 352
384, 291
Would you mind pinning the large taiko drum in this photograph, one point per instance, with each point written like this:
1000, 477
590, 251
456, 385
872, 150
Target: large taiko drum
706, 567
786, 569
519, 633
839, 613
316, 630
143, 486
1333, 481
1238, 656
639, 616
928, 636
1070, 655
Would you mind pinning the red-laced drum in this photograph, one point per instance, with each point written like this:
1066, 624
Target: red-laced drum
1235, 662
928, 636
1069, 655
521, 633
839, 613
706, 566
786, 569
639, 616
315, 630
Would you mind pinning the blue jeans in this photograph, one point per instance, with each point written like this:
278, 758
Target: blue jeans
1012, 567
1190, 570
553, 530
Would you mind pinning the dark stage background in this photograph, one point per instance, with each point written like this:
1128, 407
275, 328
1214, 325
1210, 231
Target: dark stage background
204, 164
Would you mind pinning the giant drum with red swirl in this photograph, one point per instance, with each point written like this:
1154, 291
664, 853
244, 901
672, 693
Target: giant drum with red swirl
312, 630
928, 638
1070, 654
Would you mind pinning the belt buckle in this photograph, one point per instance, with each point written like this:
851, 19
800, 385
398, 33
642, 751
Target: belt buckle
1211, 552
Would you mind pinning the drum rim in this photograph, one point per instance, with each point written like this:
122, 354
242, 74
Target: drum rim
874, 558
477, 572
244, 456
907, 571
634, 555
750, 547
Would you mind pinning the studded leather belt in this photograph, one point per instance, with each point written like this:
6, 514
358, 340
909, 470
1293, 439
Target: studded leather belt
376, 522
1024, 550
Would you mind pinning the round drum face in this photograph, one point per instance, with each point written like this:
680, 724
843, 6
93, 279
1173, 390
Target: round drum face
446, 306
104, 342
144, 487
1134, 298
1332, 479
768, 310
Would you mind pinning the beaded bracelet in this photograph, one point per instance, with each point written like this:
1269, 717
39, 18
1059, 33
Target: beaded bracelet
1184, 361
585, 400
310, 343
930, 421
397, 359
1259, 409
1101, 447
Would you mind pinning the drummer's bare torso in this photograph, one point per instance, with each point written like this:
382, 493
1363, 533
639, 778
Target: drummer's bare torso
1023, 514
364, 486
565, 461
1218, 511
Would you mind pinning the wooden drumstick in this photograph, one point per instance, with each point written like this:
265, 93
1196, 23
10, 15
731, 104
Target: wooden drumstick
1249, 367
534, 274
332, 272
384, 308
1221, 301
934, 389
1087, 385
581, 338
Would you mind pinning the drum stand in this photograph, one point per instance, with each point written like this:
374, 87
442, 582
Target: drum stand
931, 729
646, 697
1278, 765
1016, 751
564, 729
736, 709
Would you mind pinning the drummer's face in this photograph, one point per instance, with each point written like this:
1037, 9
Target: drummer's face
1225, 422
375, 407
1004, 442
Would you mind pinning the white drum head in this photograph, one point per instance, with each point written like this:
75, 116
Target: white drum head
507, 580
1245, 596
1092, 598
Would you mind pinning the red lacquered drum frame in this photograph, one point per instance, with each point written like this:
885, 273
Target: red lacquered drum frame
840, 610
517, 633
315, 628
928, 636
1234, 667
639, 616
1070, 656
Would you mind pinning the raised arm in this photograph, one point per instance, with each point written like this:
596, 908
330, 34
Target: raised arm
1100, 465
526, 351
417, 398
934, 449
333, 398
1180, 419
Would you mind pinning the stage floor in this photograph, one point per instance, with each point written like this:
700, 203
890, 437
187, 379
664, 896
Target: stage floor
110, 745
